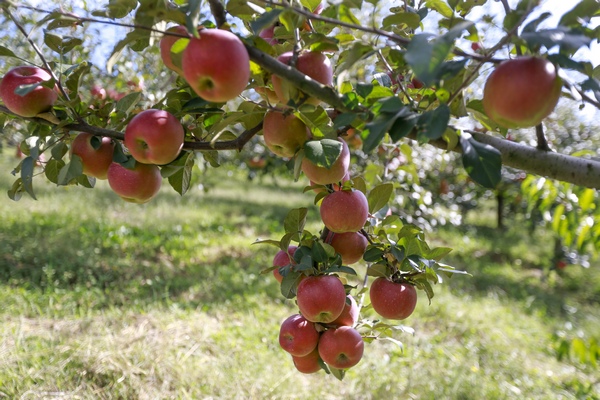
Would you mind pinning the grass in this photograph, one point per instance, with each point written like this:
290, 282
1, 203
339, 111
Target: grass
107, 300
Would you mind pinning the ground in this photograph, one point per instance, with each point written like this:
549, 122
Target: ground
103, 300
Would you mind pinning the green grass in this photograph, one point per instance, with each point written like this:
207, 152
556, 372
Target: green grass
105, 300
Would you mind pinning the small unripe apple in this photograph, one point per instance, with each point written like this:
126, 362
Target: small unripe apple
342, 347
393, 300
316, 65
166, 43
33, 103
284, 134
308, 364
154, 137
334, 174
282, 259
137, 185
350, 245
521, 92
298, 336
321, 298
216, 65
345, 211
95, 161
349, 314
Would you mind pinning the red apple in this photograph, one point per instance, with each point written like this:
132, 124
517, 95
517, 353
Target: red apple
322, 175
95, 161
309, 364
298, 336
521, 92
282, 259
98, 92
393, 300
137, 185
313, 64
284, 134
342, 347
345, 211
268, 35
349, 315
166, 43
350, 245
154, 137
216, 65
33, 103
321, 298
257, 162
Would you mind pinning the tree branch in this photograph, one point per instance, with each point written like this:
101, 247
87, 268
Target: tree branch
303, 82
234, 144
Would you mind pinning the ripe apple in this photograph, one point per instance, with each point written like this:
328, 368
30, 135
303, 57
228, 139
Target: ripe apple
321, 298
341, 347
137, 185
268, 35
324, 176
216, 65
345, 211
154, 137
521, 92
350, 245
314, 64
309, 364
282, 259
349, 315
166, 43
284, 134
257, 162
298, 336
95, 161
37, 101
393, 300
98, 92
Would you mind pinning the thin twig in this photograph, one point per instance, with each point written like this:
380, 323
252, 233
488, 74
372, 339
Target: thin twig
218, 12
542, 143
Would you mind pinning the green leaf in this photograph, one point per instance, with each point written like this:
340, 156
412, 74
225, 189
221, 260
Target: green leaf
379, 196
348, 58
583, 11
403, 20
23, 90
61, 44
289, 284
27, 167
563, 37
182, 178
76, 73
318, 252
441, 7
16, 191
70, 171
433, 124
6, 52
295, 220
482, 162
338, 373
345, 15
426, 57
266, 20
516, 15
52, 169
324, 152
378, 270
373, 253
127, 103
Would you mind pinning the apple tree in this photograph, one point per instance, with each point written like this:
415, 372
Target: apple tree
351, 94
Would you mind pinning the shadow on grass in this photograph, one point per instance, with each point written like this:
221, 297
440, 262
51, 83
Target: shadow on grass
515, 264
